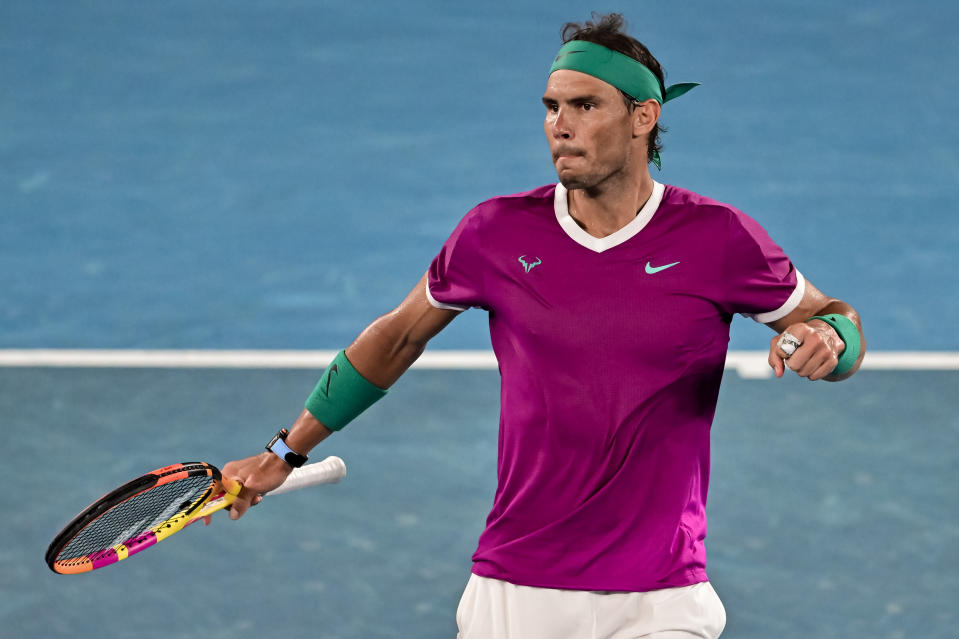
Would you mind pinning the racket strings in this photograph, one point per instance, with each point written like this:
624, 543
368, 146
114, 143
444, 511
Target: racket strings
133, 517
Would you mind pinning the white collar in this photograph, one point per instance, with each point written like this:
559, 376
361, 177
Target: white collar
600, 244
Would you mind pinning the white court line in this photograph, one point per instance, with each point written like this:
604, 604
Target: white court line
749, 364
278, 359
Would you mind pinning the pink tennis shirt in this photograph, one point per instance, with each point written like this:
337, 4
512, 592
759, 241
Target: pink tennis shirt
611, 352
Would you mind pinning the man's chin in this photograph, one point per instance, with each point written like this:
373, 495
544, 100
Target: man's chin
572, 182
585, 181
569, 179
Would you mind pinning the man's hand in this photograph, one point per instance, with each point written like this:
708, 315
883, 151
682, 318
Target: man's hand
817, 354
258, 474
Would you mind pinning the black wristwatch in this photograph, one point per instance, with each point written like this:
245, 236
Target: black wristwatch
278, 447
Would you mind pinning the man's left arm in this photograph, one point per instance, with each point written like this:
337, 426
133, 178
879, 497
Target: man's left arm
821, 346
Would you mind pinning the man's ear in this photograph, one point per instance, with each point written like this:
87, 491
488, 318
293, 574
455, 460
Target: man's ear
645, 116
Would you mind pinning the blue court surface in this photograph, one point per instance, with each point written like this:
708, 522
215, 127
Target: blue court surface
242, 175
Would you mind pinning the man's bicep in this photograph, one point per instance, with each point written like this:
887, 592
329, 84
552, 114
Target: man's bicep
390, 345
813, 300
425, 318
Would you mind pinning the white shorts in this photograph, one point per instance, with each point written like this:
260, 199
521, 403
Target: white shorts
494, 609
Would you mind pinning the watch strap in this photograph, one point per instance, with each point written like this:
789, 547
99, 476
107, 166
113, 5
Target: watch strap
279, 448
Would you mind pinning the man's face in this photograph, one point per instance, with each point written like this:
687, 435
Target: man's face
589, 129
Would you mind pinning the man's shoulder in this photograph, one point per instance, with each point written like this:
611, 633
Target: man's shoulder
534, 200
707, 213
507, 212
678, 197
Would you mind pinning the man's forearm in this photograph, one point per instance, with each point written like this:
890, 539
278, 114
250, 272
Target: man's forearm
381, 358
305, 433
381, 354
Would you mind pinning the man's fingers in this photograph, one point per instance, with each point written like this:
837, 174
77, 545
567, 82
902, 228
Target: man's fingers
777, 364
813, 360
788, 343
239, 507
820, 364
243, 501
775, 358
806, 361
805, 349
782, 352
258, 475
822, 371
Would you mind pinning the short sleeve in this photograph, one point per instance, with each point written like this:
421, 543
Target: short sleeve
759, 280
456, 273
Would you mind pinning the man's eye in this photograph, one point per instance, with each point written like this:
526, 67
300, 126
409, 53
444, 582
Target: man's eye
587, 106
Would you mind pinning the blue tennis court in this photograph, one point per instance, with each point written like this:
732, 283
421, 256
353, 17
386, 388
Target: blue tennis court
235, 175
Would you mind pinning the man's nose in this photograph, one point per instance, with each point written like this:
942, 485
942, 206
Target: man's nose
560, 126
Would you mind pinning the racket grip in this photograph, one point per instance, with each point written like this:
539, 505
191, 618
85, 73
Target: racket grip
329, 471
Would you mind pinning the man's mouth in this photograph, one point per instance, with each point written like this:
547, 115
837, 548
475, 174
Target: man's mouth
560, 154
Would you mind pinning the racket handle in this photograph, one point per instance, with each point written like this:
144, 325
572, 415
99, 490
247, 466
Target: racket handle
329, 471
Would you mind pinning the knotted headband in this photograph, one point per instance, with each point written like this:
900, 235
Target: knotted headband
628, 75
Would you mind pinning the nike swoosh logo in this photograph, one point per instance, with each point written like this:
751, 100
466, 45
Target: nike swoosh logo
656, 269
563, 55
329, 378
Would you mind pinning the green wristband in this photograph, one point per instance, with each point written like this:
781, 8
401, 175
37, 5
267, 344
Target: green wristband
849, 334
341, 394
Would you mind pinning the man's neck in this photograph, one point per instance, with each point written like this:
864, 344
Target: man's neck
602, 211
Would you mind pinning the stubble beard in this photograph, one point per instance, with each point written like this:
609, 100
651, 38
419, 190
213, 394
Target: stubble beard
593, 183
596, 179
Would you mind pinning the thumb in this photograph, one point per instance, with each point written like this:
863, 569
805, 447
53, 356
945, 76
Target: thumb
243, 503
777, 364
239, 506
243, 497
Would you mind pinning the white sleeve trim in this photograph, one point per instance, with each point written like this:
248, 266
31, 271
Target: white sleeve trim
435, 304
788, 307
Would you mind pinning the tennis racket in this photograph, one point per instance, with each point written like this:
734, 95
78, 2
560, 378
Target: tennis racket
150, 508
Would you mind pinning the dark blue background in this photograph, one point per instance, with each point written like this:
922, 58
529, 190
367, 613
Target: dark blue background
250, 175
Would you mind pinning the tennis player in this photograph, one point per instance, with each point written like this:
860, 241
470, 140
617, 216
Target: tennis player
610, 297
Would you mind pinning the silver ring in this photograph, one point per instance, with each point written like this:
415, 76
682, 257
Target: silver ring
788, 343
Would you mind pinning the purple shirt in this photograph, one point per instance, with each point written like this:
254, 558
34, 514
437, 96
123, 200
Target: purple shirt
611, 352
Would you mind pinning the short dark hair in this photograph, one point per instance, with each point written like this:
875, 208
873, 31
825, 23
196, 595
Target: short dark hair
609, 31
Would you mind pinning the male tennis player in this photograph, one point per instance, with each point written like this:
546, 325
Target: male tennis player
610, 297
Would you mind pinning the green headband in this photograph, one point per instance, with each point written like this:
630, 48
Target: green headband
630, 76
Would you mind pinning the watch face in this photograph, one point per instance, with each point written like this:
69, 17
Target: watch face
281, 434
278, 447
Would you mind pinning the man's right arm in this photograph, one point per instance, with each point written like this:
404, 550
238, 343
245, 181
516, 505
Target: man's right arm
381, 354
